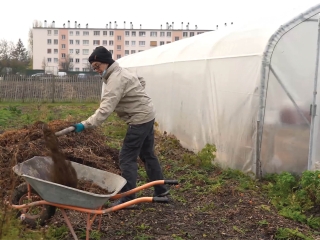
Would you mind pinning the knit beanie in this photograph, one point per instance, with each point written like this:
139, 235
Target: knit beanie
101, 54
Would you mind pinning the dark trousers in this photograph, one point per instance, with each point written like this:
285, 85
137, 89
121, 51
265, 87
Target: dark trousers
139, 141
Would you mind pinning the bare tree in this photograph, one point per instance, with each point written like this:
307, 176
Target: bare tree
37, 23
66, 63
30, 42
44, 63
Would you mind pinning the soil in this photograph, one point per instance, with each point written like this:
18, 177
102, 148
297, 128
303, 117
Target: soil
61, 171
224, 213
90, 186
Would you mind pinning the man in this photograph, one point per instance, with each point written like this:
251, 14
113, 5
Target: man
125, 94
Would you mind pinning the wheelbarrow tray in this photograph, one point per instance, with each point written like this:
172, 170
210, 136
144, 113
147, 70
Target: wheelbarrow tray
35, 171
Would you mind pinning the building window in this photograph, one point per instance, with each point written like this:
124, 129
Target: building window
118, 47
191, 34
71, 59
77, 51
77, 69
48, 50
168, 42
133, 51
127, 33
118, 38
110, 43
71, 42
105, 42
118, 56
185, 34
133, 33
96, 33
140, 51
85, 33
133, 43
63, 36
161, 43
105, 33
111, 51
111, 33
127, 43
85, 69
85, 51
85, 42
71, 33
162, 34
49, 32
49, 59
168, 34
55, 60
96, 42
77, 60
142, 34
63, 55
49, 41
126, 52
176, 38
199, 33
153, 34
55, 41
55, 32
152, 43
142, 43
77, 33
63, 46
71, 51
78, 42
55, 51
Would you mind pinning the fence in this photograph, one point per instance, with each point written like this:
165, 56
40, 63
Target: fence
50, 89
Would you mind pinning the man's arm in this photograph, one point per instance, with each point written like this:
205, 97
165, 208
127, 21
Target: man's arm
112, 94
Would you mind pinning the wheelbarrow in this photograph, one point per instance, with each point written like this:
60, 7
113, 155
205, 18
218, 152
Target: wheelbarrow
38, 191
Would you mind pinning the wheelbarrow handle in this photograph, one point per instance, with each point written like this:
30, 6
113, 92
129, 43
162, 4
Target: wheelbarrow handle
65, 131
171, 182
160, 199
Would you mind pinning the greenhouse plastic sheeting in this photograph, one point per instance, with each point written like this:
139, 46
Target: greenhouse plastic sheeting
248, 91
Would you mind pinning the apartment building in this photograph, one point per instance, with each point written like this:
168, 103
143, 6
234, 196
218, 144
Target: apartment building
70, 48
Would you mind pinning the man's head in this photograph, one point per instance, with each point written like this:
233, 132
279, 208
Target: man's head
100, 59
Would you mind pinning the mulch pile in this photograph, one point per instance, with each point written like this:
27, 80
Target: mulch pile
87, 147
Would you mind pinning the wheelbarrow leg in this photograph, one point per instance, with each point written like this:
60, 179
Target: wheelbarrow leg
69, 224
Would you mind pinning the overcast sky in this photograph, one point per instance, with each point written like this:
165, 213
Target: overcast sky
16, 17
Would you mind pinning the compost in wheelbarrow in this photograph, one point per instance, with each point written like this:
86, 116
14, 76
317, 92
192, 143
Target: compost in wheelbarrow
36, 172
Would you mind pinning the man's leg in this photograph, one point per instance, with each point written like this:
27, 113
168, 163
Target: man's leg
151, 162
128, 156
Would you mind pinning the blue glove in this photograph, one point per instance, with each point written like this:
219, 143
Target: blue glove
79, 127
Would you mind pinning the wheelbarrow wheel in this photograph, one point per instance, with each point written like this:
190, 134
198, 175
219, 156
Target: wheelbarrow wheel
34, 216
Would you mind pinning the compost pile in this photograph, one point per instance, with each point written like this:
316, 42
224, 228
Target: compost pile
88, 148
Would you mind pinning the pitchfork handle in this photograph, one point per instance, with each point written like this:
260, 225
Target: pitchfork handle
65, 131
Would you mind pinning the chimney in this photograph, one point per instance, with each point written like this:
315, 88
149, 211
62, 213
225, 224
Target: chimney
64, 25
181, 25
115, 24
167, 25
107, 26
87, 25
53, 24
225, 24
75, 24
196, 27
161, 26
140, 26
79, 25
172, 25
188, 26
68, 23
124, 24
110, 25
217, 27
131, 25
45, 23
231, 23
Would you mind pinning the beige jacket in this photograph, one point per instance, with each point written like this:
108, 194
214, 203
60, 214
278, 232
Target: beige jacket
125, 94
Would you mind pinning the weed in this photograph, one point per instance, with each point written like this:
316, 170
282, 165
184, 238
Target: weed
287, 233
